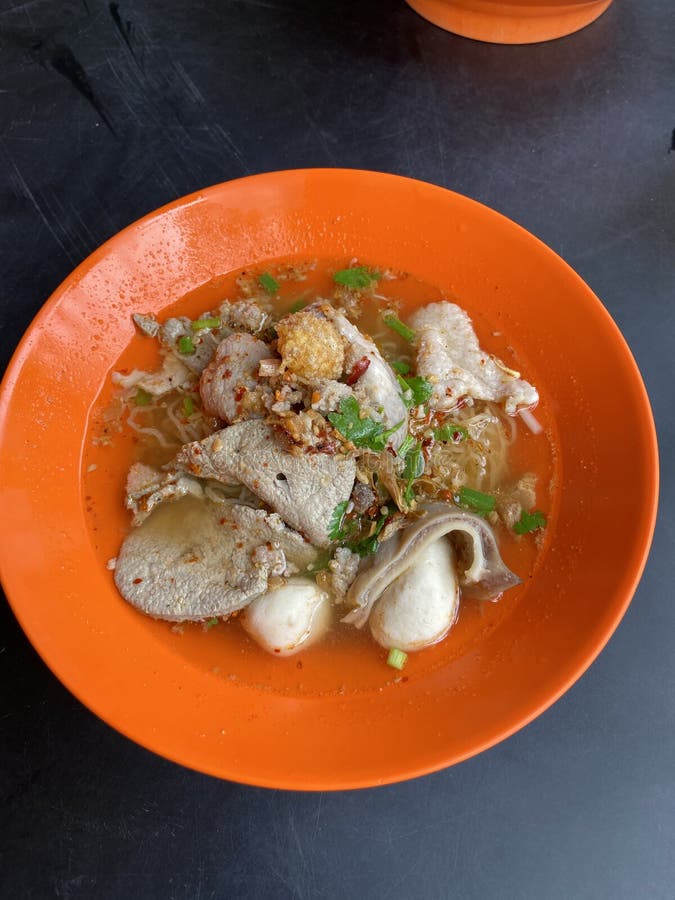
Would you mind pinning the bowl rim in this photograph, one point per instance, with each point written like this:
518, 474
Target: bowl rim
302, 782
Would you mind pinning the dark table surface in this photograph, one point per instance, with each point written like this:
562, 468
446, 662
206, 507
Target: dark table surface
107, 111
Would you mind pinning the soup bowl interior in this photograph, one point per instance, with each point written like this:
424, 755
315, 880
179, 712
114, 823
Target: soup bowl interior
335, 716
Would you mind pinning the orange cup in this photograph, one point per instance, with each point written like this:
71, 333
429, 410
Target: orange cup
518, 22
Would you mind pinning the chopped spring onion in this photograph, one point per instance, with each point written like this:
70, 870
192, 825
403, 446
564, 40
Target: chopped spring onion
268, 283
406, 444
210, 623
450, 432
531, 421
298, 305
401, 368
188, 406
530, 521
476, 500
357, 278
392, 321
201, 324
142, 398
397, 658
185, 345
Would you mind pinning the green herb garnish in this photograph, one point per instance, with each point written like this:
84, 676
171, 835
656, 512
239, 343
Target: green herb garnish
392, 321
450, 432
356, 278
201, 324
335, 530
416, 389
530, 521
297, 306
362, 432
321, 562
401, 368
268, 283
188, 406
413, 468
369, 545
414, 462
397, 658
407, 442
476, 500
185, 345
210, 623
142, 398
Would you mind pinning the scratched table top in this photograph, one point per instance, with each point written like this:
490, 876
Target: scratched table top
109, 110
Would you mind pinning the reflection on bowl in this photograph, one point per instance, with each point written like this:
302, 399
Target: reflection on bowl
518, 22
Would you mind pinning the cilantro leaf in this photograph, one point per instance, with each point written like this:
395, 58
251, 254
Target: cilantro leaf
416, 389
367, 546
413, 468
335, 531
362, 432
530, 521
357, 278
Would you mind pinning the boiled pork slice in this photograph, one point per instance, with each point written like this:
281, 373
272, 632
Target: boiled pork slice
204, 342
450, 357
195, 559
147, 487
229, 385
304, 489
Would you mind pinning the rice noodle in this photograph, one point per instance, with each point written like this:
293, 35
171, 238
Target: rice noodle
479, 463
144, 429
183, 430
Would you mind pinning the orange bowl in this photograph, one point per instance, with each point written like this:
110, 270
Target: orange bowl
516, 22
342, 721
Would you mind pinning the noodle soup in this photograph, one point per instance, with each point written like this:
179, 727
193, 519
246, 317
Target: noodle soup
423, 475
